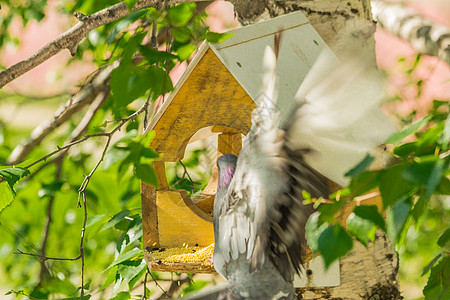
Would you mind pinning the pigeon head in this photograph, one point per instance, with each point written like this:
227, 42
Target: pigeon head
226, 164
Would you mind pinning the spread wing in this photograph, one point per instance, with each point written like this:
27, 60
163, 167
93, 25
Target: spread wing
261, 212
336, 121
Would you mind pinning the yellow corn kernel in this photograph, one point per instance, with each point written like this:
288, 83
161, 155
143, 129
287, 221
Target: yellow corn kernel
185, 254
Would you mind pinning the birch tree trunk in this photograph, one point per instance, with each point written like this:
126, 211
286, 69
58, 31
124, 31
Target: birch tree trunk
365, 273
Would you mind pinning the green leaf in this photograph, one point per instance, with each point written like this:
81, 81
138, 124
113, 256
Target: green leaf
146, 173
6, 195
194, 286
161, 82
364, 182
185, 51
121, 296
333, 243
370, 212
419, 171
393, 186
444, 186
128, 83
136, 279
363, 229
444, 139
405, 150
444, 238
181, 35
126, 256
214, 37
401, 135
112, 276
419, 210
179, 15
91, 221
397, 219
438, 285
49, 190
116, 219
115, 155
155, 56
130, 4
12, 175
130, 269
128, 136
435, 177
314, 230
329, 210
431, 264
361, 166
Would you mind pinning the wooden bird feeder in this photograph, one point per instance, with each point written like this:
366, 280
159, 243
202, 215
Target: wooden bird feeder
218, 91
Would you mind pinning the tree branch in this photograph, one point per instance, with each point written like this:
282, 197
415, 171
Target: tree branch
424, 35
86, 96
71, 38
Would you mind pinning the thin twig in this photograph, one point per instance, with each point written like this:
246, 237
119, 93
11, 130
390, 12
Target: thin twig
44, 258
44, 269
85, 96
175, 285
186, 173
157, 284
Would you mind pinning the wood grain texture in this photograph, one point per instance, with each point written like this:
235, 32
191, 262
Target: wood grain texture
180, 221
149, 216
365, 274
209, 96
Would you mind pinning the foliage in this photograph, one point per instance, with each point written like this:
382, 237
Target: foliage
147, 44
419, 175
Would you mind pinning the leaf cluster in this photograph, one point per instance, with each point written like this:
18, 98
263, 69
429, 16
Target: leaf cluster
421, 172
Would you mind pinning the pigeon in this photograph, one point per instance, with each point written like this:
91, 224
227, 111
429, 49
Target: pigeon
259, 209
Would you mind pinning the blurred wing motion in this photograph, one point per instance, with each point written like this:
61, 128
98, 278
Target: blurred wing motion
259, 218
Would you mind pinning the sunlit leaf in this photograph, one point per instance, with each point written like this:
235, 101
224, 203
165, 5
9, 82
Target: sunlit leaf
363, 229
12, 175
121, 296
401, 135
116, 219
314, 230
180, 14
126, 256
214, 37
112, 277
181, 35
6, 195
185, 51
130, 3
445, 137
130, 269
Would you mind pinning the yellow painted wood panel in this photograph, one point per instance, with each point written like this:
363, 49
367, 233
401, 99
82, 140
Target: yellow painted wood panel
181, 222
210, 96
